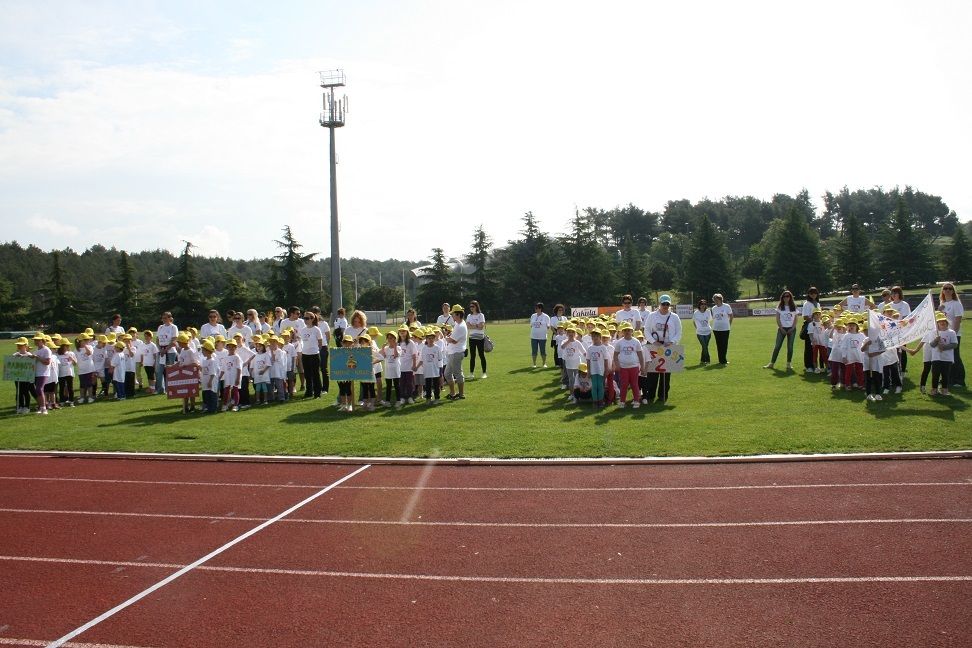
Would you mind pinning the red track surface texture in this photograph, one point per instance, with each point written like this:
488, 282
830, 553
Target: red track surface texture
817, 554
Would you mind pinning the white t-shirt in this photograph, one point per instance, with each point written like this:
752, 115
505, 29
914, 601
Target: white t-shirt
98, 356
583, 383
41, 369
118, 367
212, 330
477, 319
720, 317
555, 320
630, 315
85, 363
245, 354
787, 317
407, 356
341, 323
597, 360
539, 322
875, 362
807, 309
953, 309
628, 352
701, 320
278, 364
260, 362
856, 304
431, 359
445, 318
131, 362
643, 314
656, 330
325, 331
459, 333
166, 335
850, 348
296, 324
902, 307
245, 330
209, 374
310, 337
66, 367
232, 370
836, 352
393, 362
573, 353
949, 337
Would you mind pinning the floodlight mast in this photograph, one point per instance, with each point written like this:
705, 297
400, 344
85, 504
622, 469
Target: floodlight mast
333, 117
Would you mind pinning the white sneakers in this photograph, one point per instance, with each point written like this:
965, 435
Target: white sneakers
484, 375
636, 405
768, 365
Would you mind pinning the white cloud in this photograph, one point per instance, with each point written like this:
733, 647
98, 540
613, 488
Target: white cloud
213, 241
52, 227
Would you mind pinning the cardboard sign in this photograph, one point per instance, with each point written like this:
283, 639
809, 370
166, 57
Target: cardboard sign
351, 364
18, 368
666, 359
181, 382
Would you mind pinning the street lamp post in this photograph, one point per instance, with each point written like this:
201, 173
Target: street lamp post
332, 117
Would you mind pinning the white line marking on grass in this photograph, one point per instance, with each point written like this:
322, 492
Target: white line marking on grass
165, 581
528, 525
523, 579
571, 489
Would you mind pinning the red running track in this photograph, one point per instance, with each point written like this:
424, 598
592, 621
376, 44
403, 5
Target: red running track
795, 554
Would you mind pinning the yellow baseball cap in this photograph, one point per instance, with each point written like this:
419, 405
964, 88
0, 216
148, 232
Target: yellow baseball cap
21, 341
582, 367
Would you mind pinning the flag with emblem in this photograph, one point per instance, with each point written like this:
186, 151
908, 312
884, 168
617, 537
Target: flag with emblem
898, 332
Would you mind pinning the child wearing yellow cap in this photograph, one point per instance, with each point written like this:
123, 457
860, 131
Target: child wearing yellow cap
391, 356
278, 370
209, 378
430, 359
24, 389
231, 373
408, 358
67, 361
149, 354
943, 345
346, 387
572, 353
186, 357
118, 362
42, 369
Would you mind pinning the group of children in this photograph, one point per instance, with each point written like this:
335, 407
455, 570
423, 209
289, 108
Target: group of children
111, 360
109, 366
851, 358
600, 359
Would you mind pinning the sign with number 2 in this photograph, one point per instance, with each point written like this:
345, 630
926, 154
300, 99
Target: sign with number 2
666, 359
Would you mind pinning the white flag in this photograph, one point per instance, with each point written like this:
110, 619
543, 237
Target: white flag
895, 333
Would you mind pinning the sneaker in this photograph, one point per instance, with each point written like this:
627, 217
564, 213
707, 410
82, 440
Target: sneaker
869, 397
410, 401
897, 390
933, 392
922, 389
460, 397
635, 405
644, 401
236, 408
789, 366
840, 385
768, 365
544, 365
620, 405
484, 375
42, 411
534, 365
399, 403
70, 403
833, 387
571, 400
886, 391
945, 392
385, 403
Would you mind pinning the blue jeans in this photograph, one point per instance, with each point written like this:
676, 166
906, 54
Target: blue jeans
704, 341
538, 346
789, 333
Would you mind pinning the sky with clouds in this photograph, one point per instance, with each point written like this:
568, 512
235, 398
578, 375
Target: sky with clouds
142, 124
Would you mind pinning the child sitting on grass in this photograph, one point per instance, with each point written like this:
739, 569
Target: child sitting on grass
583, 386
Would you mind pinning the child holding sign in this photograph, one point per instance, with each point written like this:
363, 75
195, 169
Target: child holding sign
25, 390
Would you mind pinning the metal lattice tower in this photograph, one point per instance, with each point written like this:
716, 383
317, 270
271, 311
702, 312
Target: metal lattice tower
332, 116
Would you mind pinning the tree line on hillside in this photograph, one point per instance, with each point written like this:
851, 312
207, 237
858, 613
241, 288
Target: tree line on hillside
872, 237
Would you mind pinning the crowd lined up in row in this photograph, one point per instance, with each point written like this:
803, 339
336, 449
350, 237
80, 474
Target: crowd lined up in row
274, 360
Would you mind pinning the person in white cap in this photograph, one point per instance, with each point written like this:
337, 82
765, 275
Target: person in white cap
662, 327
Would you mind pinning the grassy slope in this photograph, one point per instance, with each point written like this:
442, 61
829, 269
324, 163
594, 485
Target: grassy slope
520, 412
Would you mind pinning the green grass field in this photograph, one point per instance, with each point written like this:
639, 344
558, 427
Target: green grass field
521, 412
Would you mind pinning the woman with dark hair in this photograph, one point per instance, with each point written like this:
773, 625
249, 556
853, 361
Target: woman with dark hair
476, 323
904, 310
411, 318
539, 323
812, 301
702, 318
786, 318
721, 323
556, 320
312, 340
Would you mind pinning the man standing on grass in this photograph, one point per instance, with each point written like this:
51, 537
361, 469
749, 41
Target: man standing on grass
455, 352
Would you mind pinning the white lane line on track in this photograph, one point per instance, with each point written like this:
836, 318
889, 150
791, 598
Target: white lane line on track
187, 568
502, 488
10, 641
517, 579
528, 525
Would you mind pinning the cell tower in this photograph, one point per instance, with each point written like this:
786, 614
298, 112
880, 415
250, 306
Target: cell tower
333, 117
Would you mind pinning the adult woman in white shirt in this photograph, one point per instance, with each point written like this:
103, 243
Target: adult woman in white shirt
539, 323
950, 304
721, 323
786, 323
702, 318
476, 324
312, 340
557, 319
213, 327
811, 303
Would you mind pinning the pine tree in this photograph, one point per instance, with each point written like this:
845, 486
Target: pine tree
957, 258
289, 283
853, 259
530, 269
122, 292
904, 253
707, 267
61, 309
483, 285
633, 272
437, 287
182, 292
795, 261
593, 281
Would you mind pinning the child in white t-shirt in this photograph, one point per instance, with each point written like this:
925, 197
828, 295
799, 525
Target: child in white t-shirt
559, 337
149, 359
119, 364
571, 352
583, 385
391, 355
408, 357
231, 375
836, 356
278, 370
599, 365
942, 355
430, 359
209, 378
874, 350
65, 372
86, 370
851, 349
260, 372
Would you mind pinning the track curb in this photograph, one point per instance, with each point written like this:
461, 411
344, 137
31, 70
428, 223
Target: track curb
489, 461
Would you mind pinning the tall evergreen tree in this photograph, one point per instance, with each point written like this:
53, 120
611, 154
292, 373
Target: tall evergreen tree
753, 265
60, 308
957, 257
633, 271
182, 292
795, 260
708, 269
595, 284
122, 291
289, 284
483, 284
437, 286
530, 269
904, 255
853, 259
